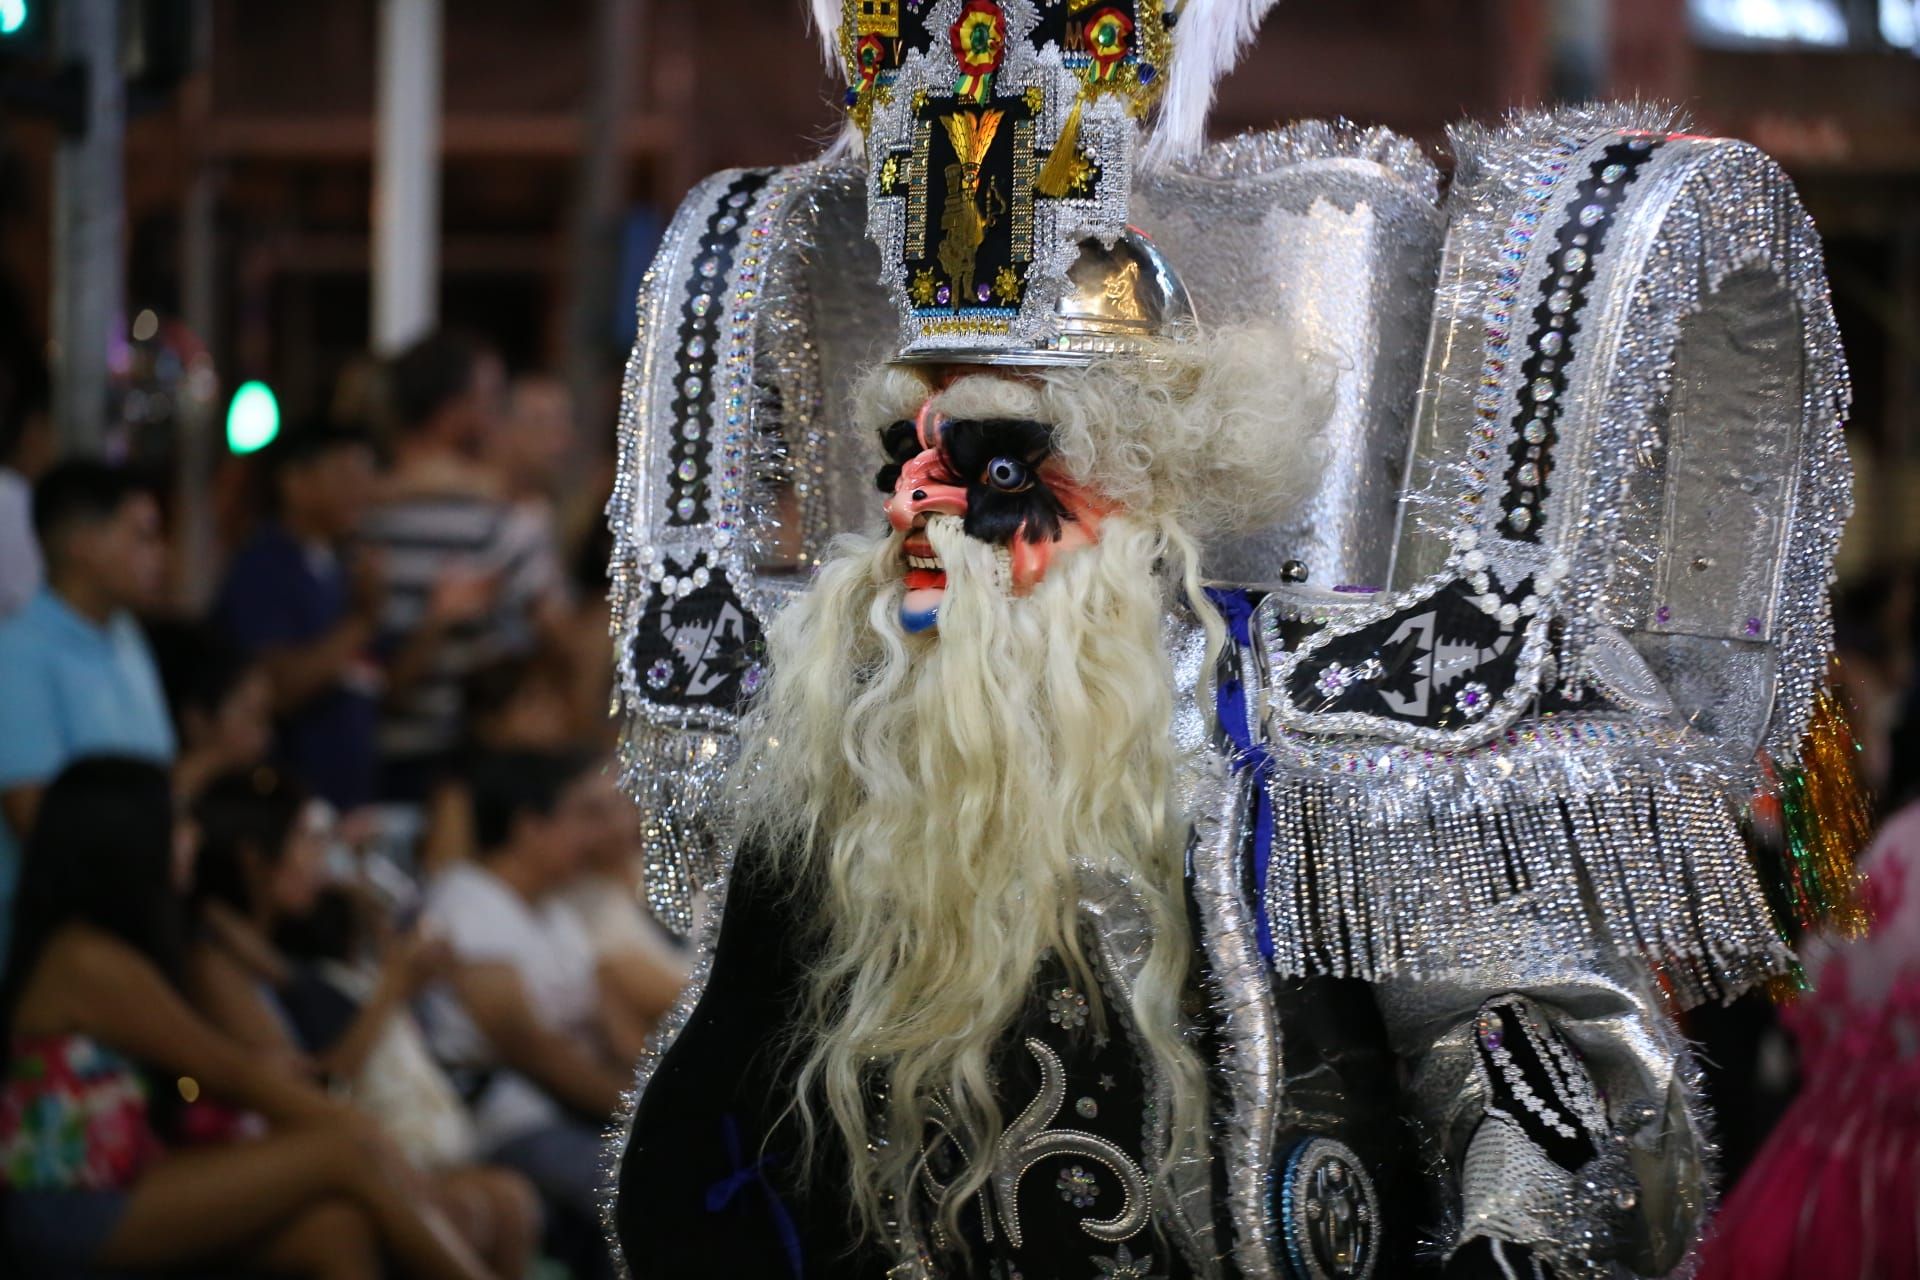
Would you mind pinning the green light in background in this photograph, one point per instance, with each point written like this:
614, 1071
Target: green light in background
253, 419
13, 16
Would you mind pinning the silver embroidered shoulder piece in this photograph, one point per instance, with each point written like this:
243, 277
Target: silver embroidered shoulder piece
1609, 586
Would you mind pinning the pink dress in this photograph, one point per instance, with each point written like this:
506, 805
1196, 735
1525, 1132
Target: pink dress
1835, 1192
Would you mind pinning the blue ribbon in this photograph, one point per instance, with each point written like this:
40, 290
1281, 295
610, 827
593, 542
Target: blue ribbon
721, 1193
1249, 756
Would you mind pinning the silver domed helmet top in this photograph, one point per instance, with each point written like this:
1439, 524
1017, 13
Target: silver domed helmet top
1119, 298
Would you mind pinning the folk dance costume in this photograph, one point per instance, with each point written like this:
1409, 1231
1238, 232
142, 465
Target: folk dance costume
1065, 905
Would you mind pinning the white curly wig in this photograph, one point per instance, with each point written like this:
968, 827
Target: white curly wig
1221, 434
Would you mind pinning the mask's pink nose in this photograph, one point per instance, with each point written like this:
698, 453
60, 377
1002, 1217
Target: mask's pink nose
924, 489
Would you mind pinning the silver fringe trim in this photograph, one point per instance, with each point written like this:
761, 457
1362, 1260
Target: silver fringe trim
677, 777
1566, 834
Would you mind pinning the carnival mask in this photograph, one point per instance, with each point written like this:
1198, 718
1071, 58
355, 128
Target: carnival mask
997, 476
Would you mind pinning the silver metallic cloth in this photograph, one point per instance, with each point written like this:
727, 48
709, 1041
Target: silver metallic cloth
821, 324
1680, 524
1701, 476
1329, 232
1642, 1200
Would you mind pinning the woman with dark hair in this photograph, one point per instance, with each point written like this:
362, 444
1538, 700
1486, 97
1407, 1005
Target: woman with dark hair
90, 991
261, 861
261, 870
220, 702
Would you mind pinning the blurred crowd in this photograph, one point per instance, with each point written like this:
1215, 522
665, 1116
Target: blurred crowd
324, 945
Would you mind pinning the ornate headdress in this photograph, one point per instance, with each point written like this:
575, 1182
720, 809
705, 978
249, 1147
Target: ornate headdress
1000, 140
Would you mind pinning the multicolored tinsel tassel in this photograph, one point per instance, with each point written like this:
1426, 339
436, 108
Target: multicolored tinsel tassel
1821, 821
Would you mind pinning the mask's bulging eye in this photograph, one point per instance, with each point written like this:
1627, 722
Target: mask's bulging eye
1009, 475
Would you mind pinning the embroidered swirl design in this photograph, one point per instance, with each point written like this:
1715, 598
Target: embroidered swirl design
1028, 1141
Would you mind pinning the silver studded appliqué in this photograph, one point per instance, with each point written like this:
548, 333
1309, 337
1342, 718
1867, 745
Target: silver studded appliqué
1029, 1140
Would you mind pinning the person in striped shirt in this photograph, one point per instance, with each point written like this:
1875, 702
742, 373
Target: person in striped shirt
468, 578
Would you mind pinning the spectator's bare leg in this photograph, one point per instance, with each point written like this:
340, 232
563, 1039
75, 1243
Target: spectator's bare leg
507, 1211
333, 1240
227, 1201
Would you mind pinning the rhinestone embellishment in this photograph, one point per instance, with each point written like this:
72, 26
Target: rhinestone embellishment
1473, 699
1067, 1008
1077, 1187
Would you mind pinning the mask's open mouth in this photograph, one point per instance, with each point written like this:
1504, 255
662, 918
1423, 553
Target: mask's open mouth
925, 571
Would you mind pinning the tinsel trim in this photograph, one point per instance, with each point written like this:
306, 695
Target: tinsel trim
1246, 155
1810, 825
1503, 154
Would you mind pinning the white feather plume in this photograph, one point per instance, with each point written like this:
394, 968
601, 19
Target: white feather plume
846, 146
1208, 38
827, 16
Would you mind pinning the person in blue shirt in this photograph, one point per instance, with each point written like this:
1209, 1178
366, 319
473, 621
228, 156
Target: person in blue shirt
301, 600
76, 677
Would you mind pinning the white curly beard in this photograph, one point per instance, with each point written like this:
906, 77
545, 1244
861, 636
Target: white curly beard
939, 790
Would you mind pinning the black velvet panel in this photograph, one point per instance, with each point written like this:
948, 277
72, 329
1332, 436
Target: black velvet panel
687, 1207
1102, 1068
1570, 1153
1342, 1081
691, 1207
1416, 666
695, 651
